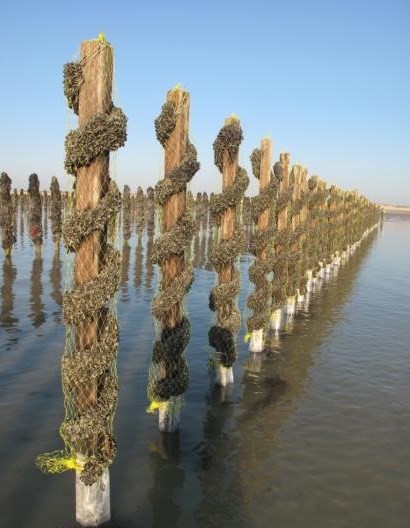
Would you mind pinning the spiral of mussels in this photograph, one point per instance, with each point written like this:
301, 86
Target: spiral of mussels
169, 375
87, 427
314, 198
262, 248
55, 209
295, 241
35, 210
281, 239
226, 251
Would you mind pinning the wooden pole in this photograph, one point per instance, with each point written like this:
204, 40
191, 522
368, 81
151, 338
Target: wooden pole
294, 223
229, 168
304, 240
92, 503
264, 180
257, 337
282, 224
175, 207
92, 181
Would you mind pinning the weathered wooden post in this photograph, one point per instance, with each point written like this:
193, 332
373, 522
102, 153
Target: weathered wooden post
88, 367
322, 229
225, 208
262, 246
314, 199
304, 238
55, 212
8, 237
34, 213
169, 375
281, 245
293, 241
102, 128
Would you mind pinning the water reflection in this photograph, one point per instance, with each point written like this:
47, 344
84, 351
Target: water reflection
55, 281
149, 267
169, 479
37, 313
139, 255
221, 490
7, 318
241, 439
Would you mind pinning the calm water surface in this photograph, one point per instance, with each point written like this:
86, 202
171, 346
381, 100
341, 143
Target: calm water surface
316, 435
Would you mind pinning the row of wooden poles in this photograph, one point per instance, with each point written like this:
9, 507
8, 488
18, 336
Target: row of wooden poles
88, 89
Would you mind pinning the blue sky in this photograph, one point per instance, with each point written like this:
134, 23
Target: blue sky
327, 80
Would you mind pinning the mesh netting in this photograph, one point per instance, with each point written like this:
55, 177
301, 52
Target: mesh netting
261, 246
225, 251
168, 373
88, 370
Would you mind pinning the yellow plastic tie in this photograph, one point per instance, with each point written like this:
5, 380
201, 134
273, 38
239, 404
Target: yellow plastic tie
154, 406
101, 37
247, 337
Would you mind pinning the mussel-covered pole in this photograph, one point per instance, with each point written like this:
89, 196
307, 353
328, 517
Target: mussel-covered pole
126, 213
294, 269
281, 240
88, 368
102, 127
225, 209
35, 212
8, 237
261, 246
55, 211
304, 236
169, 375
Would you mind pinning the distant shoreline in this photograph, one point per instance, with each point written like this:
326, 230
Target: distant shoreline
395, 208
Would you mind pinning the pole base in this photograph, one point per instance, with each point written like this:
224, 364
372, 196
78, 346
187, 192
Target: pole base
223, 375
92, 503
256, 342
276, 319
291, 305
169, 415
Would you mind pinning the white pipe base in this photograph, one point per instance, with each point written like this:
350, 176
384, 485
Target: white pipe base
169, 415
276, 320
92, 503
223, 375
256, 342
290, 305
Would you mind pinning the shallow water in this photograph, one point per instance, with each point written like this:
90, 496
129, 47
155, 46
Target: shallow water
315, 435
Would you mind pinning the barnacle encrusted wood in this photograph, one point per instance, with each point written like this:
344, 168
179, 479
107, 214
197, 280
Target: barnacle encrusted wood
88, 370
169, 375
225, 212
8, 237
281, 239
35, 210
55, 209
261, 243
